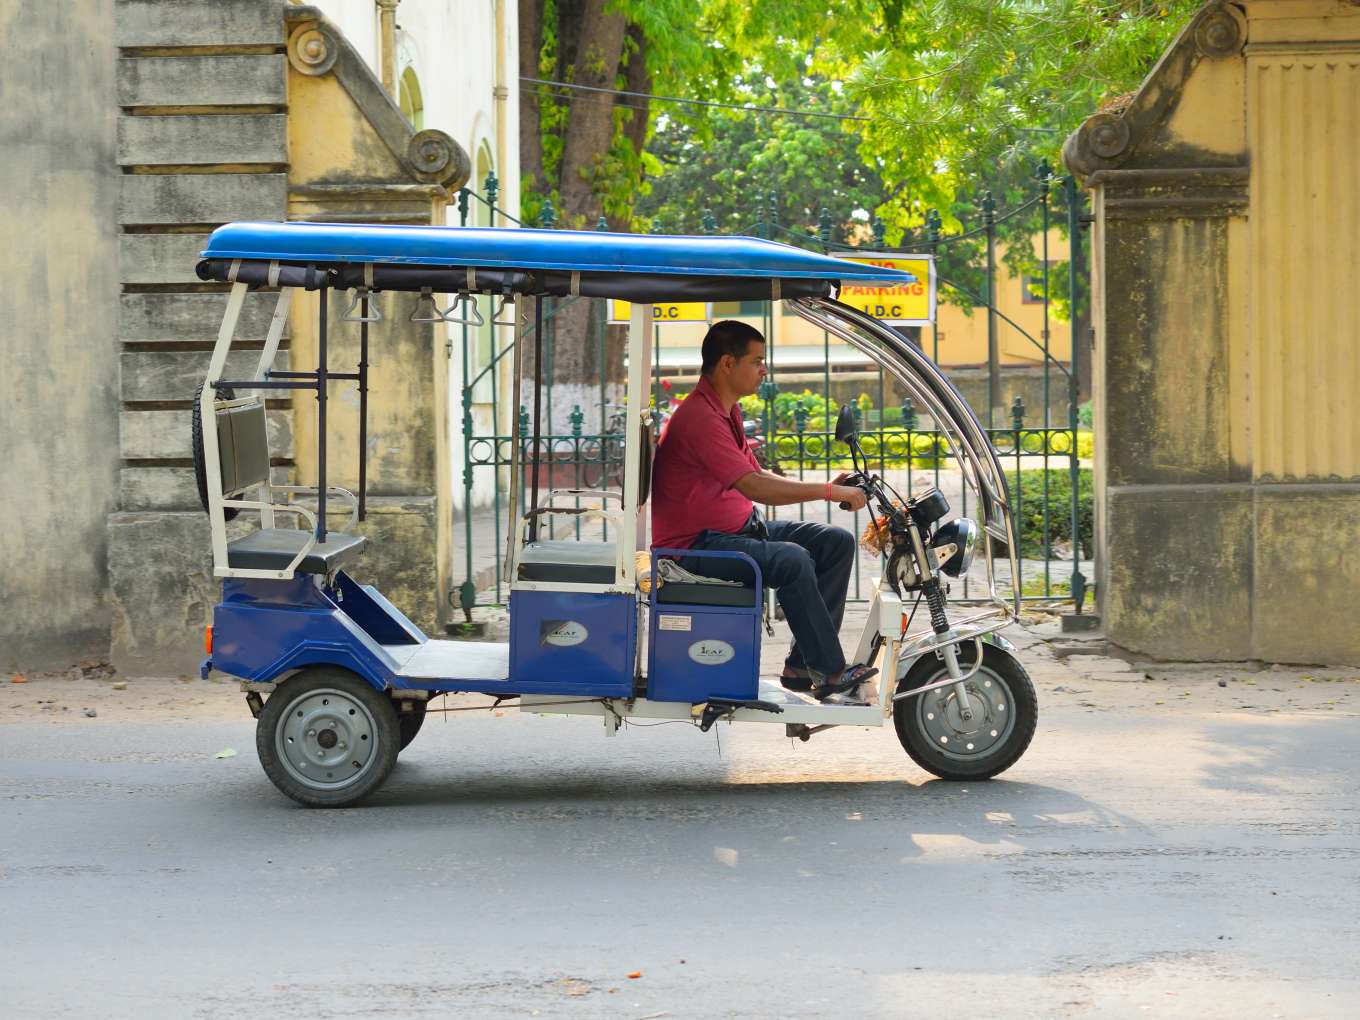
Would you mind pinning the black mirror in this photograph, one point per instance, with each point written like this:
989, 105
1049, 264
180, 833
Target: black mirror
845, 424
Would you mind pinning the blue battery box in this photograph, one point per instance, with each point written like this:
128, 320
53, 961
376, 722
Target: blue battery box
564, 642
704, 639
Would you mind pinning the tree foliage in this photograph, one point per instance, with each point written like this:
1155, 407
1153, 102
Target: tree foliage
745, 172
962, 91
960, 98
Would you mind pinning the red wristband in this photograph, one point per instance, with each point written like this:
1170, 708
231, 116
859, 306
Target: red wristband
828, 492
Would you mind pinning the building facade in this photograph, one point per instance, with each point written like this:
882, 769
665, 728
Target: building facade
138, 126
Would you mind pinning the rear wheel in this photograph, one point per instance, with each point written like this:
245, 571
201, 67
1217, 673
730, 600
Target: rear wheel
1004, 708
326, 738
409, 722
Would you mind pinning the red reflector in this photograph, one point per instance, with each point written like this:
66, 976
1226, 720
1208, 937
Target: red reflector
207, 639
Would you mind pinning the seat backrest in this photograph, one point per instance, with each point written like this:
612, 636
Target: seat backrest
243, 447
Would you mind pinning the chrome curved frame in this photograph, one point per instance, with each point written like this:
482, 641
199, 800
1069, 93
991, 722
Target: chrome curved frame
965, 434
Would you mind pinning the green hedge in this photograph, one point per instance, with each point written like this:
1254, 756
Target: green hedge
926, 448
1031, 509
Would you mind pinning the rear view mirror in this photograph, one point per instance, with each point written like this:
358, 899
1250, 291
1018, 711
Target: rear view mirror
845, 424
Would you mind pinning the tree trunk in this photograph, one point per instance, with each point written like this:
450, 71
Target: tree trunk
637, 79
592, 43
590, 124
530, 120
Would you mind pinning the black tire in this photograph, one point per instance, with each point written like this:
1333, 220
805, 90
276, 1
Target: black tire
922, 721
409, 723
200, 469
296, 715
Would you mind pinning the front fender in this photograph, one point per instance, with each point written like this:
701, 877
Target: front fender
995, 639
928, 658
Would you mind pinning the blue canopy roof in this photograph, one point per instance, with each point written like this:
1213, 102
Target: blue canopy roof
572, 251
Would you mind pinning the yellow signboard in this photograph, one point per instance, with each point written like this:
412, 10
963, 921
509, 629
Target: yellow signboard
911, 305
672, 311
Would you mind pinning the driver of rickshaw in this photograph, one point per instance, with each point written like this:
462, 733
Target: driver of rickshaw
705, 486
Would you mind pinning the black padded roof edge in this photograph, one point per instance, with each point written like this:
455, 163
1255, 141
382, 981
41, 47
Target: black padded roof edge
547, 283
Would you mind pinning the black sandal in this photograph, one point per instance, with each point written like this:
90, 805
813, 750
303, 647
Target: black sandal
850, 678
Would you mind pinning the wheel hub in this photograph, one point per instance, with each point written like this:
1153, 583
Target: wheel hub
941, 717
326, 738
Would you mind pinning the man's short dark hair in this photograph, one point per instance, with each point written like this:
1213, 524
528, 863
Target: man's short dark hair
730, 336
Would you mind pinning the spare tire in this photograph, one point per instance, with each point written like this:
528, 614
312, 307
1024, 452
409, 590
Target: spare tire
200, 469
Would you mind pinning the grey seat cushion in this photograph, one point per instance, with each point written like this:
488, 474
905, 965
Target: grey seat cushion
274, 549
568, 562
675, 592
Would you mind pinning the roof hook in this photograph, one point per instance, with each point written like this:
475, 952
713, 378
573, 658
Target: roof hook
426, 299
354, 313
468, 302
496, 320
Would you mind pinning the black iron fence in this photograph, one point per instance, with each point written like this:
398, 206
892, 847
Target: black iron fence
1042, 440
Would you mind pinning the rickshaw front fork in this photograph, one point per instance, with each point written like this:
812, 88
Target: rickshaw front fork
950, 653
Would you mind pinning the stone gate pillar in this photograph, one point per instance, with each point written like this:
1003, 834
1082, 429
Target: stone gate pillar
1227, 365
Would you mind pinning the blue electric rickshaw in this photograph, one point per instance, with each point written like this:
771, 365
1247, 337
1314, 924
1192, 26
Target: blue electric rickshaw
339, 679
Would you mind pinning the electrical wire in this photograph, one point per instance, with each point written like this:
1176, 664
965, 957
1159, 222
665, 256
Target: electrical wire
663, 722
522, 708
778, 110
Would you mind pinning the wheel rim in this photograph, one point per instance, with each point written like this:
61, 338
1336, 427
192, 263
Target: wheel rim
939, 717
326, 739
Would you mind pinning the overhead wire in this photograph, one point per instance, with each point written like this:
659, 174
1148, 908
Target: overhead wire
776, 110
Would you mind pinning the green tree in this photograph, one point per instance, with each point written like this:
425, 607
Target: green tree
738, 171
959, 96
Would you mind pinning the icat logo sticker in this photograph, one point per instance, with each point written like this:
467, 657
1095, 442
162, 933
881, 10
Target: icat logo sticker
563, 633
711, 653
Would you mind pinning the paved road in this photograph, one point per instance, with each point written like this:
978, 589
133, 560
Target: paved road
1147, 858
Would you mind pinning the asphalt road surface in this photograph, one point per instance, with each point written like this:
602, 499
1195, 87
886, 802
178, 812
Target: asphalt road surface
1161, 851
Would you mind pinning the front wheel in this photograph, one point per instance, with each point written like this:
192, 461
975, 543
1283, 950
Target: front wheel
326, 738
1004, 706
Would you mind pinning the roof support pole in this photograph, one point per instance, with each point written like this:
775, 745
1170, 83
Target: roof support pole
633, 534
324, 296
538, 411
207, 409
516, 455
363, 407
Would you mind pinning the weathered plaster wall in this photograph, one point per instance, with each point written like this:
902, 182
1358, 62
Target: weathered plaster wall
260, 109
59, 390
1228, 479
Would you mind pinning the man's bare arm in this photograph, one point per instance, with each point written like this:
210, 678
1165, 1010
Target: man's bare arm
774, 490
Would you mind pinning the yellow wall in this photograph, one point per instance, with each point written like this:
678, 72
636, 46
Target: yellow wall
1303, 117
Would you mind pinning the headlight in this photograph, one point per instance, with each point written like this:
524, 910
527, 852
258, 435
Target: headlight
954, 544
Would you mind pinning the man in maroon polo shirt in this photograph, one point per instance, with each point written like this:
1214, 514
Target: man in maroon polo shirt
705, 484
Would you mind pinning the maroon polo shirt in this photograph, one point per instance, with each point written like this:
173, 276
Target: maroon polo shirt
700, 456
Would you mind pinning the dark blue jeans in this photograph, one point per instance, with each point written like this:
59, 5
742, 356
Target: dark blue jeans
809, 565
